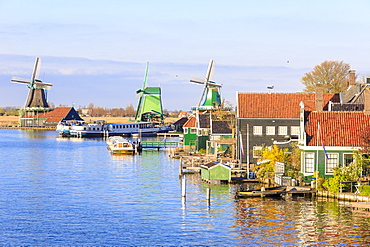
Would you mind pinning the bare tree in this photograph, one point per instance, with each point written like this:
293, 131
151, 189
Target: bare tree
332, 74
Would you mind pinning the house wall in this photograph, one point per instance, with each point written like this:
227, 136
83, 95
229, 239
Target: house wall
189, 139
264, 138
320, 161
219, 173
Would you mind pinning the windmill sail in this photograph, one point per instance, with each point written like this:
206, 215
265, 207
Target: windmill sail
36, 94
210, 97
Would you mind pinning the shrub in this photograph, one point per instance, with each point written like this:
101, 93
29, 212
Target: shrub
364, 190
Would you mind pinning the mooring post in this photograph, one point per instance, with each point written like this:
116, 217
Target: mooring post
208, 196
180, 167
183, 186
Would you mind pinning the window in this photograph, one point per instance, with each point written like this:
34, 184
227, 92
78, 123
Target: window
270, 130
193, 131
283, 130
294, 130
309, 160
331, 162
257, 151
185, 130
347, 159
257, 130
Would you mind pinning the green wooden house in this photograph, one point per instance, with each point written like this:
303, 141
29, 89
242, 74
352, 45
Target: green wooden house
215, 172
196, 132
330, 139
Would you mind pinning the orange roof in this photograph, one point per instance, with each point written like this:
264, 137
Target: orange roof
338, 128
278, 105
190, 123
55, 115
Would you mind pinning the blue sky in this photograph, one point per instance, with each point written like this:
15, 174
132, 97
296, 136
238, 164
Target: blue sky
95, 51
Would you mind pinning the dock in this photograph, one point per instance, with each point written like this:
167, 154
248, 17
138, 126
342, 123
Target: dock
159, 144
170, 134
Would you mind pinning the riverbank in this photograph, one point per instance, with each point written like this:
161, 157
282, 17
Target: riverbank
13, 121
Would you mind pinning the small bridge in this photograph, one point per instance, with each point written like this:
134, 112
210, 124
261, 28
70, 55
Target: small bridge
158, 145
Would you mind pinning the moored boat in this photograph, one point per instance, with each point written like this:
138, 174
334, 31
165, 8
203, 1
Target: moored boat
273, 191
120, 145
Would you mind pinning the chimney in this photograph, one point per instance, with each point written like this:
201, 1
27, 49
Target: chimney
367, 101
351, 77
319, 97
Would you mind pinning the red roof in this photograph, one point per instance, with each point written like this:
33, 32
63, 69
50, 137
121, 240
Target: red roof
278, 105
55, 115
338, 128
190, 123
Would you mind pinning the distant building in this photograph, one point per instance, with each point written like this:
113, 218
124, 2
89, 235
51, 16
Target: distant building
53, 117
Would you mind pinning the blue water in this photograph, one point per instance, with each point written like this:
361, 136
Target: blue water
60, 191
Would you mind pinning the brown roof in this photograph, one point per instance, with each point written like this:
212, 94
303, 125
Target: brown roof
337, 128
55, 115
203, 121
278, 105
190, 123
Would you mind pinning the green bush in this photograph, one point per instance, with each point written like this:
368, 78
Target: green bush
364, 190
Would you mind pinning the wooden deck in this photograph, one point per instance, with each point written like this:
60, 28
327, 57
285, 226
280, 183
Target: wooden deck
158, 145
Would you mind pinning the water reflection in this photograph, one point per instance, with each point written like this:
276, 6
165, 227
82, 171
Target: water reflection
72, 191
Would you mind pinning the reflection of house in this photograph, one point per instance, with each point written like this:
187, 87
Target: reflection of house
273, 118
52, 118
215, 172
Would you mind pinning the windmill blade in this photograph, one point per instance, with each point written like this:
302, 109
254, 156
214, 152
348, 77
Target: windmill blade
201, 98
36, 69
43, 85
214, 84
210, 71
145, 84
20, 80
197, 80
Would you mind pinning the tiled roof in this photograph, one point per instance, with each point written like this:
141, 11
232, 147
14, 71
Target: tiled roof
203, 121
221, 127
337, 128
56, 115
181, 121
190, 123
278, 105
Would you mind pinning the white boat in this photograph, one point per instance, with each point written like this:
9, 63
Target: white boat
64, 127
118, 129
120, 145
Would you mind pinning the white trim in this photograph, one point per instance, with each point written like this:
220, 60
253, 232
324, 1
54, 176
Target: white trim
326, 164
331, 148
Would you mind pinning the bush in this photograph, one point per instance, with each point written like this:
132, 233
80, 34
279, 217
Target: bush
364, 190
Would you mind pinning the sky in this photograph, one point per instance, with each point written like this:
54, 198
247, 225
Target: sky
96, 51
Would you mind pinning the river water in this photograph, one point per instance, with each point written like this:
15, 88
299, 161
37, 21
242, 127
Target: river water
59, 191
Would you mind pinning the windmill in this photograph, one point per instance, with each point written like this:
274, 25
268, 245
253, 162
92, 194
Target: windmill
149, 107
211, 97
36, 94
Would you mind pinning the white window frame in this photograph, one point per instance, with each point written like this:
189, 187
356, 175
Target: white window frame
186, 129
270, 130
309, 167
332, 162
353, 158
257, 130
193, 131
283, 130
294, 130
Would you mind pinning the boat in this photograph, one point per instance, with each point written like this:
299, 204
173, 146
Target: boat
118, 129
120, 145
264, 192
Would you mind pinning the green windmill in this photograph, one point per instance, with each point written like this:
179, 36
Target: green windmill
149, 107
211, 96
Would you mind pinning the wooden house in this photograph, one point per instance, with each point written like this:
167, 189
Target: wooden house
215, 172
330, 138
196, 131
273, 118
178, 124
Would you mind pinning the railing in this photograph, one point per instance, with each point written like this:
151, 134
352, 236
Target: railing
149, 144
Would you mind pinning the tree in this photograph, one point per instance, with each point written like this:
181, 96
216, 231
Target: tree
332, 74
